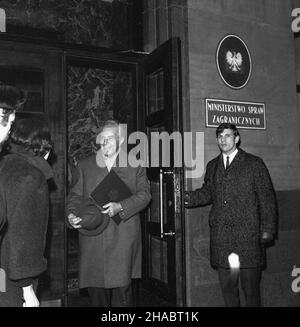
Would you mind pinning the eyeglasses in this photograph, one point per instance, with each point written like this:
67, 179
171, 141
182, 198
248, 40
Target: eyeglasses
108, 139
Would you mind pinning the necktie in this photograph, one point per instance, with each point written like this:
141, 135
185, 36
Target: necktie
227, 162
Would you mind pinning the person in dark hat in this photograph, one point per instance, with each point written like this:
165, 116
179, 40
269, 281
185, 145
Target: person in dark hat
110, 248
243, 216
24, 209
11, 99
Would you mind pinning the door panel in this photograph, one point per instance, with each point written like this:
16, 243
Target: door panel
155, 87
163, 266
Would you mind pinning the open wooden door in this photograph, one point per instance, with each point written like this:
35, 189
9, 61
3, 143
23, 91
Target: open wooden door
163, 226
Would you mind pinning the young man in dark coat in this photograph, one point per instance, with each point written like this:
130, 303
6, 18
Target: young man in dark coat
109, 257
242, 218
24, 206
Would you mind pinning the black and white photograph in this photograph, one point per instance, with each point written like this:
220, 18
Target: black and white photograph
150, 156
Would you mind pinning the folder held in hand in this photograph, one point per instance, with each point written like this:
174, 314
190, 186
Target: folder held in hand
111, 189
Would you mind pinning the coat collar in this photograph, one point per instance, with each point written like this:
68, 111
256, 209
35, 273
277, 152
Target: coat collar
240, 156
36, 161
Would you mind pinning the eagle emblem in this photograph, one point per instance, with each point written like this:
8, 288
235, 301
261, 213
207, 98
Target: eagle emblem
234, 60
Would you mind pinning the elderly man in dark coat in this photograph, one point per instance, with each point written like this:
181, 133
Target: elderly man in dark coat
243, 215
110, 254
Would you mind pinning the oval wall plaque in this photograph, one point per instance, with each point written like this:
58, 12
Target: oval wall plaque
233, 61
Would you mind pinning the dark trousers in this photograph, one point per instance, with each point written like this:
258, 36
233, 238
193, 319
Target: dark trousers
250, 281
111, 297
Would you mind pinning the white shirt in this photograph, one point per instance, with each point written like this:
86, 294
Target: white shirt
231, 157
110, 161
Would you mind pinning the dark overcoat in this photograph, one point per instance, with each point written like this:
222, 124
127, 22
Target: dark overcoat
24, 210
112, 258
243, 207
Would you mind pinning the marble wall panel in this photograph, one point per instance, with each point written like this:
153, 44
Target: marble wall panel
97, 23
93, 96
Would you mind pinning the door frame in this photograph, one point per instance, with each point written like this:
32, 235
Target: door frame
90, 57
134, 59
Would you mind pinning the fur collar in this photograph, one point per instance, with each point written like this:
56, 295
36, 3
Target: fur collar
36, 161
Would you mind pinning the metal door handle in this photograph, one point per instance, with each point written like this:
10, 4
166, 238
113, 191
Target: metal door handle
170, 233
161, 205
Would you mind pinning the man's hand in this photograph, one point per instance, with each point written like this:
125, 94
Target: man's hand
74, 221
30, 299
112, 208
266, 237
